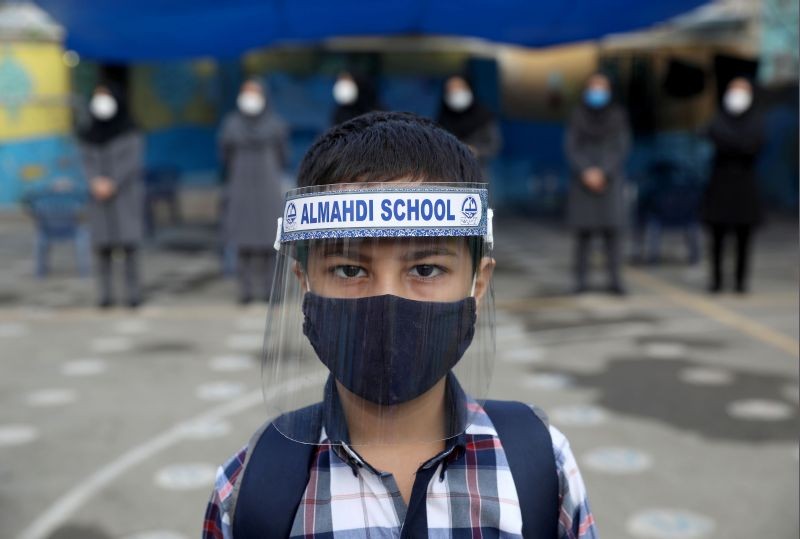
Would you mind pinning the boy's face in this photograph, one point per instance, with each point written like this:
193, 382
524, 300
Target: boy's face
422, 269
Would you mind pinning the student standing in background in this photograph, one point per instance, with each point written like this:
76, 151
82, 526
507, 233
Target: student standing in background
113, 153
731, 204
354, 95
469, 120
254, 149
597, 145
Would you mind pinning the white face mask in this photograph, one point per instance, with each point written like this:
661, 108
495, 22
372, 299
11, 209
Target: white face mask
103, 106
250, 103
737, 100
459, 100
345, 92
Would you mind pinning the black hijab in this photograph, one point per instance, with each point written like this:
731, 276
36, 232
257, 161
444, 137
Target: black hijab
745, 129
102, 131
367, 101
245, 129
463, 123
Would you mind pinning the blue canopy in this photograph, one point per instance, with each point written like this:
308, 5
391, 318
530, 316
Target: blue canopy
127, 30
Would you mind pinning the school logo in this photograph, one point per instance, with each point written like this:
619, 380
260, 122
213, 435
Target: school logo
291, 213
469, 210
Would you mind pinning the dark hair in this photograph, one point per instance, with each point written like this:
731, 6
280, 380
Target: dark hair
386, 146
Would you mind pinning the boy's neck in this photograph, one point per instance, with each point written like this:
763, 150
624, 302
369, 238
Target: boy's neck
419, 421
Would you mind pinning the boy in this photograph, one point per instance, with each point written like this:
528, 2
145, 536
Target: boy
385, 270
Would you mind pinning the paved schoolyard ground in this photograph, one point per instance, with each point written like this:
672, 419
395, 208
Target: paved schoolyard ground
682, 408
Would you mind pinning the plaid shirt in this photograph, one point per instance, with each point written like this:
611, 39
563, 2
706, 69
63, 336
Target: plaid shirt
470, 489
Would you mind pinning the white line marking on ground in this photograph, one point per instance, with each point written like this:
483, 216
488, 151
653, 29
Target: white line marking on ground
71, 501
717, 312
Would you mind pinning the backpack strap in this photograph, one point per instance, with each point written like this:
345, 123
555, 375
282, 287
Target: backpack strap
273, 481
529, 449
277, 469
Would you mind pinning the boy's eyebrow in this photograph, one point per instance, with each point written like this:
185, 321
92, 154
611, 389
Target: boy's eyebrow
433, 250
345, 251
353, 250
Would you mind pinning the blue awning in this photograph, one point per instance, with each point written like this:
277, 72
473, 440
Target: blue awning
127, 30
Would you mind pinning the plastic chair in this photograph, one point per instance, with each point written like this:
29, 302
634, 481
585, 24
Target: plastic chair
59, 218
672, 203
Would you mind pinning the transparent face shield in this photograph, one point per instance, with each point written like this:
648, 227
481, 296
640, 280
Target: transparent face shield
381, 321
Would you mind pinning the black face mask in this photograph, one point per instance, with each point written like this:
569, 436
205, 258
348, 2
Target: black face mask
386, 349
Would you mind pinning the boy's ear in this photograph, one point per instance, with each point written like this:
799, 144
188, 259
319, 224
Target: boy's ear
484, 277
300, 273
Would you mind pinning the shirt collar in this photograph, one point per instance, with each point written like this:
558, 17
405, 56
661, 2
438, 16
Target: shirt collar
335, 431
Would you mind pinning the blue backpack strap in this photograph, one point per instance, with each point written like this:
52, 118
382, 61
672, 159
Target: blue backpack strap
529, 450
273, 481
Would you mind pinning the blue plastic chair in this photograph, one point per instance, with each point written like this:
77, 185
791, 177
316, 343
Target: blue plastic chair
59, 218
672, 203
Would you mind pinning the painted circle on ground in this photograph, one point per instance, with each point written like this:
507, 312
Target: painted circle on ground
219, 391
206, 430
523, 355
83, 367
11, 435
578, 415
11, 330
187, 476
760, 410
617, 460
109, 345
547, 381
232, 363
665, 350
706, 376
132, 326
51, 397
156, 534
670, 524
245, 342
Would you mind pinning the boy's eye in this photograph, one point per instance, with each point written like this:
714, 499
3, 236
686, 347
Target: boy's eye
349, 272
426, 270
